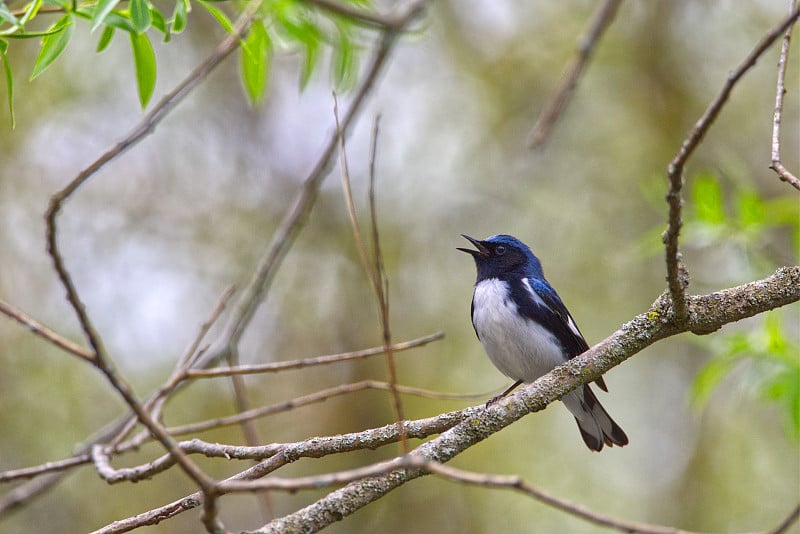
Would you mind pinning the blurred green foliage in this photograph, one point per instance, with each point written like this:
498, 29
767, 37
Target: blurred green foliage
747, 220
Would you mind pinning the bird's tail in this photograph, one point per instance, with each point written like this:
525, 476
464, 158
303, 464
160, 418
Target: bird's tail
596, 426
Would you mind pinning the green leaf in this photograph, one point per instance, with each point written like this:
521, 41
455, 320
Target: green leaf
255, 62
105, 38
159, 23
30, 12
144, 60
709, 377
120, 21
708, 200
218, 14
140, 15
103, 8
179, 16
9, 81
309, 38
750, 209
344, 62
53, 44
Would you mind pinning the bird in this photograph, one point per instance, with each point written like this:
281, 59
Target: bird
527, 331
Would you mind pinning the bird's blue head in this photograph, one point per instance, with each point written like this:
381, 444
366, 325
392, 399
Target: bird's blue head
502, 255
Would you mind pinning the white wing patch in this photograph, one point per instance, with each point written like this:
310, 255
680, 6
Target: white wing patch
570, 323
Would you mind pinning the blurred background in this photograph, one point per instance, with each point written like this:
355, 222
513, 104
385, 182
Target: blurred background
155, 237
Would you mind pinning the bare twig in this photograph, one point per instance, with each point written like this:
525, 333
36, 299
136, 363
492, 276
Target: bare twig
677, 277
780, 91
375, 273
311, 398
516, 483
382, 286
45, 333
314, 448
49, 467
309, 362
557, 103
249, 429
787, 522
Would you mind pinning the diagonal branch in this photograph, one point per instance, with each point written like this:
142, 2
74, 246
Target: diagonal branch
44, 332
558, 102
707, 313
677, 277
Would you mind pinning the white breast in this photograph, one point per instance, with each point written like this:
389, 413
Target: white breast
520, 348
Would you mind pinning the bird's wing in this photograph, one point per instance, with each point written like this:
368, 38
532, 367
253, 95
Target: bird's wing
544, 306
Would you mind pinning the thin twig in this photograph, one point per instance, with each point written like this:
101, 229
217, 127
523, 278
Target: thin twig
518, 484
312, 398
780, 91
44, 332
382, 286
557, 103
677, 277
787, 522
248, 427
309, 362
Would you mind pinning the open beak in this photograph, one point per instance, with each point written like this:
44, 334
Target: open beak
482, 251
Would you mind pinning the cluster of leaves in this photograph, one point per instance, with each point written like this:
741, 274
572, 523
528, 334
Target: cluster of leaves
747, 221
280, 24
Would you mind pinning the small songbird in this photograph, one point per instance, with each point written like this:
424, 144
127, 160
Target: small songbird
527, 331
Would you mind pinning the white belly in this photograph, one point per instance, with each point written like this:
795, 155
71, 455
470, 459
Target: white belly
520, 348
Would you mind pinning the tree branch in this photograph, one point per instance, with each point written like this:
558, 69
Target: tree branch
677, 276
780, 92
706, 314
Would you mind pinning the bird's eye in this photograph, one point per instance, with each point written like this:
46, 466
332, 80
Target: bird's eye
500, 250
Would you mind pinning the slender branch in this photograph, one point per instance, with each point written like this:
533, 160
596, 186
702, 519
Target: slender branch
312, 398
44, 332
382, 286
287, 453
516, 483
780, 91
707, 313
309, 362
677, 277
787, 522
558, 101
